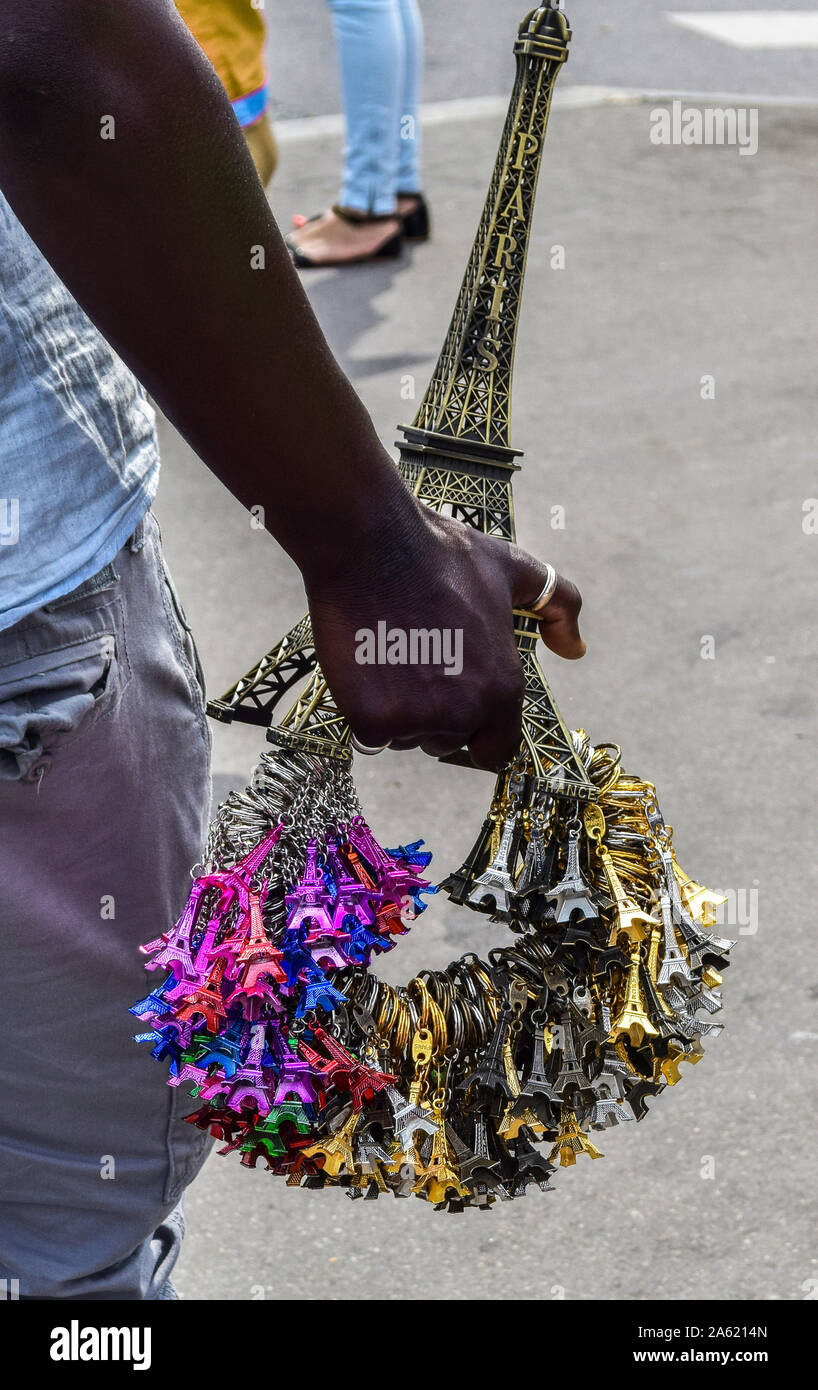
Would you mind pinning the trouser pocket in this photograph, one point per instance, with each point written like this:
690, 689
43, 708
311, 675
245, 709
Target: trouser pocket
50, 697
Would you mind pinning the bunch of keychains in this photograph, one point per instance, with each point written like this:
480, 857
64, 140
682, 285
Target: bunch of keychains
471, 1082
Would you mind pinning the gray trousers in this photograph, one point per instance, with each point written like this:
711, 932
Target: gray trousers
104, 792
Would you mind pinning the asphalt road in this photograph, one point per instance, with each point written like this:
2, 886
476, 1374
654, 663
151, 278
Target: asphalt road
628, 43
683, 521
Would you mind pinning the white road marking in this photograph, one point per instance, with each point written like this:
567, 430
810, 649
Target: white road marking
754, 28
479, 108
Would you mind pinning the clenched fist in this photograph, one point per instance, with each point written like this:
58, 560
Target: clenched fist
441, 671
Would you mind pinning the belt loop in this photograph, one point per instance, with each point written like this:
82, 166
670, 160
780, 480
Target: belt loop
137, 540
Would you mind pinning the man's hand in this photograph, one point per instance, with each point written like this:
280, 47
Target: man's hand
464, 584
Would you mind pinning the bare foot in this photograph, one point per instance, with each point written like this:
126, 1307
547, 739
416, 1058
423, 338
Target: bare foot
331, 240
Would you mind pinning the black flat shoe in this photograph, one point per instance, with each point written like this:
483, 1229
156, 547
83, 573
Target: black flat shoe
389, 250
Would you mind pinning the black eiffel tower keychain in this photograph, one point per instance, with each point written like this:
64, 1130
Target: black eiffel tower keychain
468, 1084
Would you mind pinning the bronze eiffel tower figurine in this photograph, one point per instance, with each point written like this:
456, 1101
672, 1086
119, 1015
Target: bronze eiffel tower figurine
456, 456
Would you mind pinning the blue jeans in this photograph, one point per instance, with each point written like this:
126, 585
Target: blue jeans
380, 48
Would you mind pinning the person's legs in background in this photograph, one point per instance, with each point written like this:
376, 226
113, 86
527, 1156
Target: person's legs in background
380, 54
408, 173
371, 53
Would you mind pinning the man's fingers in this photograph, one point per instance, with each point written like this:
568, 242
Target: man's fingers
442, 745
559, 620
491, 748
497, 742
559, 624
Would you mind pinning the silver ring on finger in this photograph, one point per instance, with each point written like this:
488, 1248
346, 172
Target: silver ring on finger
368, 752
546, 593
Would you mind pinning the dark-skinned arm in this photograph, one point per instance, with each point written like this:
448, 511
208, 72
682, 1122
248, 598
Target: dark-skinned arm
157, 232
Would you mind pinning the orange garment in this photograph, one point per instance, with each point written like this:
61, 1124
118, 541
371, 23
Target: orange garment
232, 34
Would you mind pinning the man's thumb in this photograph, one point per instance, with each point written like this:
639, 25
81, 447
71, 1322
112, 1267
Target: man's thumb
558, 615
